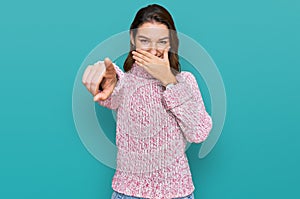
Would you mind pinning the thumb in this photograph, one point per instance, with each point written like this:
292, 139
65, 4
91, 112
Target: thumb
108, 63
166, 55
110, 68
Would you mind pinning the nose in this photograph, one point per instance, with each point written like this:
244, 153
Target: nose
153, 49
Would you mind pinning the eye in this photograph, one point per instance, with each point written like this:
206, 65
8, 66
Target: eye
144, 41
163, 42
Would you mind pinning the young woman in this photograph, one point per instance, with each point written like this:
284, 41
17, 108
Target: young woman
159, 108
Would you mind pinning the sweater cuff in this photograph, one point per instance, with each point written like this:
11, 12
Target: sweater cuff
177, 94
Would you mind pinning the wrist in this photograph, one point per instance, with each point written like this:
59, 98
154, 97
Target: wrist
170, 85
171, 80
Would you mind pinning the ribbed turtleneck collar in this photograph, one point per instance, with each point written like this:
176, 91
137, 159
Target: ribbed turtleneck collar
140, 71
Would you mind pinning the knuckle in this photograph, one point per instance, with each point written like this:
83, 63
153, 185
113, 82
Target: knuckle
93, 83
100, 66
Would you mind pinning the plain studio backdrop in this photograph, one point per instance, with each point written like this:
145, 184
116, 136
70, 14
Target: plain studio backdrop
255, 45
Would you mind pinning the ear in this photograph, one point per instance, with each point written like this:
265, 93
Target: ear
131, 38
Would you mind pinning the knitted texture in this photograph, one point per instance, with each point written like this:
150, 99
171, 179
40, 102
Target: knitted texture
153, 128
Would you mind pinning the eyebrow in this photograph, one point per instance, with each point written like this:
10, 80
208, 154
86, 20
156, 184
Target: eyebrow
141, 36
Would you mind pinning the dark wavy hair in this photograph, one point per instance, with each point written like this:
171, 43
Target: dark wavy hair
155, 13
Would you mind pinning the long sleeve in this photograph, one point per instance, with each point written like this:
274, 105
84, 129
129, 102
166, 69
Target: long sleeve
114, 100
185, 102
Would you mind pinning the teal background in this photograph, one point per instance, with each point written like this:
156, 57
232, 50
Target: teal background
255, 45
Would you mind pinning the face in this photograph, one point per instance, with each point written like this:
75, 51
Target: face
152, 37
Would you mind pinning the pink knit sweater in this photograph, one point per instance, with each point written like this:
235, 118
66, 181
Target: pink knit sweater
153, 127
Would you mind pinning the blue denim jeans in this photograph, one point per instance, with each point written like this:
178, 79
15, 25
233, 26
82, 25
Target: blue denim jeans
117, 195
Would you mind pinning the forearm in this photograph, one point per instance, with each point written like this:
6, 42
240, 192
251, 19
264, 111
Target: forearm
185, 102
